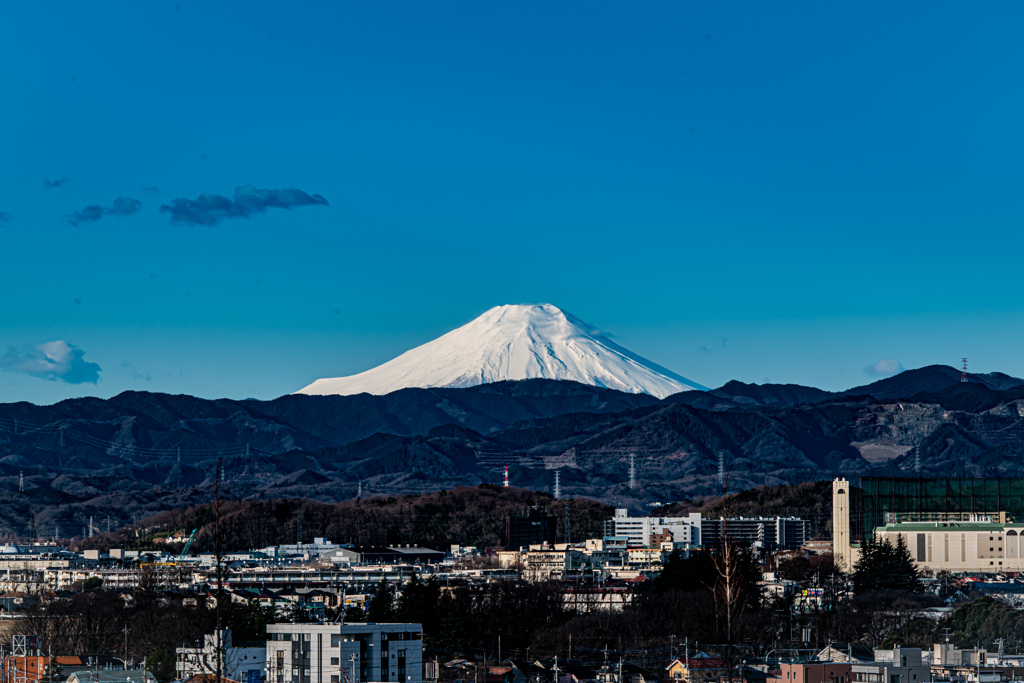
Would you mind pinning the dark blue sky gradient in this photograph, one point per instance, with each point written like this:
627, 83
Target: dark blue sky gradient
735, 190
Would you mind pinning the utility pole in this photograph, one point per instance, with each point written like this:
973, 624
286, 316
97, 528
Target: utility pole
219, 552
567, 526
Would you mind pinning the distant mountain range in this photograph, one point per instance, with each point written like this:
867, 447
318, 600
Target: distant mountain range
141, 453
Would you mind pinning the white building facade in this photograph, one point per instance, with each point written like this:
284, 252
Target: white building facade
344, 653
638, 530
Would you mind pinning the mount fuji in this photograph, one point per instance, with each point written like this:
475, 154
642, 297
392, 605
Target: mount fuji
513, 343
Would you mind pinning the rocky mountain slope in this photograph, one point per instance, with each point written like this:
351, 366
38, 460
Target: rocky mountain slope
140, 453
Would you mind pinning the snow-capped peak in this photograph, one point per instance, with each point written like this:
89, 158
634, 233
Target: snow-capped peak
512, 343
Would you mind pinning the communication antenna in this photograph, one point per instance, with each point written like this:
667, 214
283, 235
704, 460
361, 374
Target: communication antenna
632, 471
558, 484
963, 374
506, 476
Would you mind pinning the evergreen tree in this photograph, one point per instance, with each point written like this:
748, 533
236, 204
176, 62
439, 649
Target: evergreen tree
883, 566
382, 605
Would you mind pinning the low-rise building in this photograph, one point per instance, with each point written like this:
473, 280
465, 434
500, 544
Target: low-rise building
899, 665
112, 676
813, 672
984, 545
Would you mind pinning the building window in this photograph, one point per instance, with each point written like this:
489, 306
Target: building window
334, 661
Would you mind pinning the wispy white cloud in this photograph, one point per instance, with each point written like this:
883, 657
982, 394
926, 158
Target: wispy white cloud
887, 367
56, 361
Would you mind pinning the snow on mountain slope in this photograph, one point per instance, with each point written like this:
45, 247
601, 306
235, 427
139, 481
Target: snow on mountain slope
512, 343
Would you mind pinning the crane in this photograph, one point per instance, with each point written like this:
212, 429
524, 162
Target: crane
188, 544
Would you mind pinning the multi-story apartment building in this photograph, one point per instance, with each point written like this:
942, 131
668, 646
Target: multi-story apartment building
344, 653
768, 533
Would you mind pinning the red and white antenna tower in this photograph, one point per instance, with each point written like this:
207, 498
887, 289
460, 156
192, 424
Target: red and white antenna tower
963, 374
506, 476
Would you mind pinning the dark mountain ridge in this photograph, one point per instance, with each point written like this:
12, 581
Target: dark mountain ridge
140, 453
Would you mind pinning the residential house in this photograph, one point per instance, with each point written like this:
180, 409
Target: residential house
701, 668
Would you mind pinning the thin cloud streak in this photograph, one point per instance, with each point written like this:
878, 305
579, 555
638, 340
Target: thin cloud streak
122, 206
135, 374
247, 201
54, 184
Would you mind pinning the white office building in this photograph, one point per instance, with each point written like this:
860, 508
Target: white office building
639, 530
344, 653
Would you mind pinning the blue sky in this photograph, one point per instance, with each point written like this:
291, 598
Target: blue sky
735, 190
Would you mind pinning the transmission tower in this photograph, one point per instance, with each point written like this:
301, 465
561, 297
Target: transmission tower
558, 484
90, 526
721, 468
963, 368
62, 436
506, 477
917, 461
632, 471
21, 481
